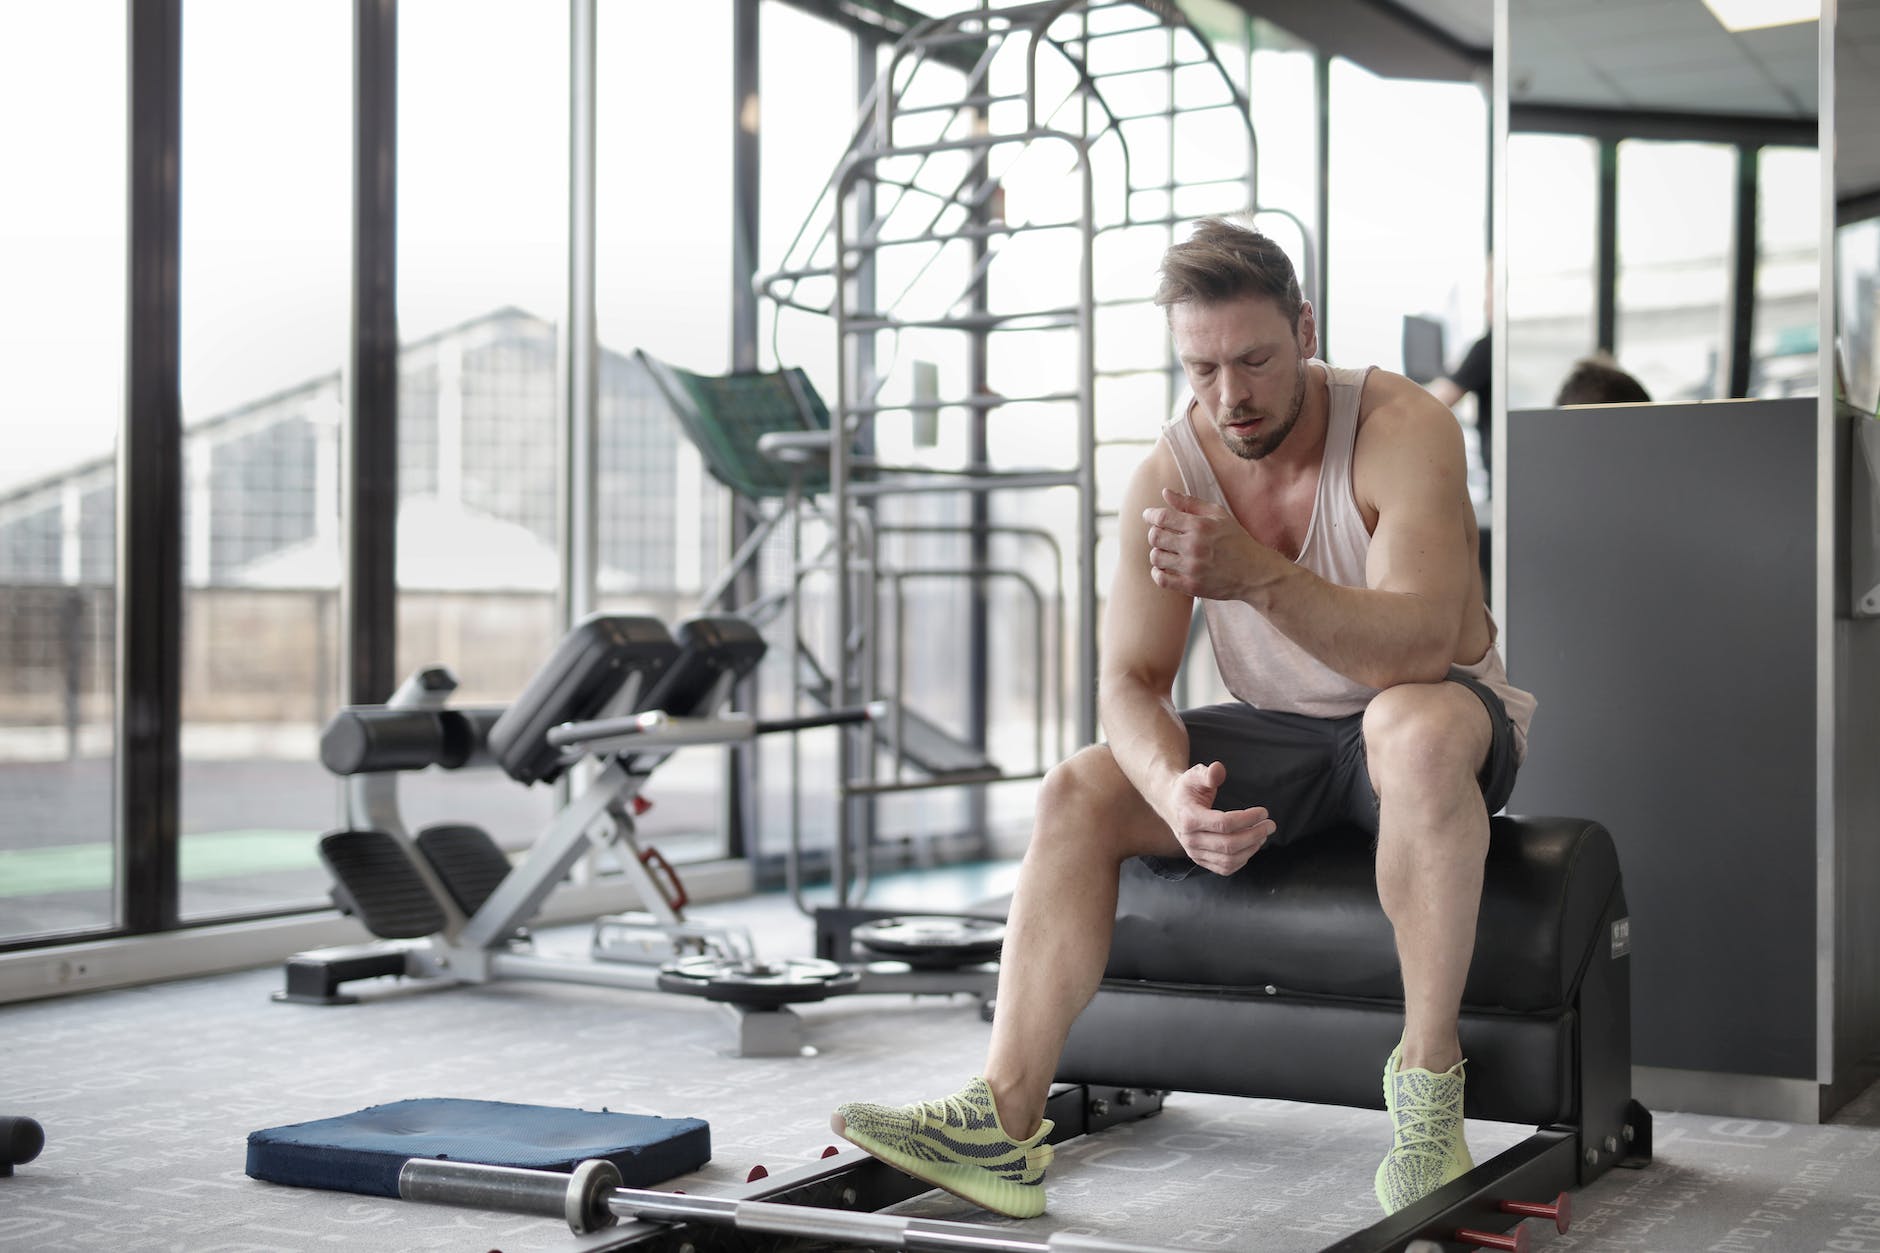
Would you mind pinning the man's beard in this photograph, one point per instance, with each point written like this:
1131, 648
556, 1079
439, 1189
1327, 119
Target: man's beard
1255, 447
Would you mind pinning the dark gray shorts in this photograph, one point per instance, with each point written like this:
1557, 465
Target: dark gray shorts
1310, 773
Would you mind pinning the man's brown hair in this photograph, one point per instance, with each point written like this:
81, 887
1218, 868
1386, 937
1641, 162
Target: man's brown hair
1224, 260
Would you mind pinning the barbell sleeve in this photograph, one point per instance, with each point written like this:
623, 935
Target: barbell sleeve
580, 1198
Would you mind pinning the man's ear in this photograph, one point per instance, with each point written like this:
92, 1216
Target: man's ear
1308, 331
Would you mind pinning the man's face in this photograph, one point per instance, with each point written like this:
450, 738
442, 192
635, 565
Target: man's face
1247, 367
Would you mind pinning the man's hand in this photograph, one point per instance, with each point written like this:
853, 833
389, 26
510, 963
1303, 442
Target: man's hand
1201, 550
1217, 841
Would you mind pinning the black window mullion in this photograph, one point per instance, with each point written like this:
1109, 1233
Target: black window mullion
1606, 258
369, 595
741, 768
150, 483
1743, 284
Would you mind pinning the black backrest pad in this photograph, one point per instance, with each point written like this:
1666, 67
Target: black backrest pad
709, 648
1304, 918
585, 672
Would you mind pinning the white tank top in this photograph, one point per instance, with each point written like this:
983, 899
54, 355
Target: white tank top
1258, 663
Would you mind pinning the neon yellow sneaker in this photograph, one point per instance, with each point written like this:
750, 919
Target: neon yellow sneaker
1427, 1150
955, 1143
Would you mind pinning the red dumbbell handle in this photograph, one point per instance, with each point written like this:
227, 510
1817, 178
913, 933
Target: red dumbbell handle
1516, 1241
1561, 1211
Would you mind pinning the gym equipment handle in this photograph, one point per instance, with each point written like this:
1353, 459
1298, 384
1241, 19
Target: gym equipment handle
656, 730
589, 1201
876, 711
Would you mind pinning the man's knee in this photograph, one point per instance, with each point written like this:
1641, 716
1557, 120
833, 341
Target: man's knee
1419, 736
1087, 778
1087, 799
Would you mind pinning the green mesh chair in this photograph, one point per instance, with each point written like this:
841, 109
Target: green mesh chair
726, 415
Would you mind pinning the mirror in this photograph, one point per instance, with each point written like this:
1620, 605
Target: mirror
1645, 141
1857, 200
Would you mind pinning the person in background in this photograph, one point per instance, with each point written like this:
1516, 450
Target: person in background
1474, 377
1598, 380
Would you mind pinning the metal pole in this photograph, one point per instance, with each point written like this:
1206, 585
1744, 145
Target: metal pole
579, 340
587, 1203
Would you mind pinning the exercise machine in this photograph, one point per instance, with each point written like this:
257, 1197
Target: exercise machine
447, 905
1282, 982
1278, 982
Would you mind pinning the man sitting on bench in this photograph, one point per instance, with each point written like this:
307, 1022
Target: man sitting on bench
1321, 517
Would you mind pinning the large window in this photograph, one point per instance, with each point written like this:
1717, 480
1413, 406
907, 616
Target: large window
1423, 247
1857, 288
664, 247
1281, 80
1553, 238
1784, 356
62, 264
1677, 202
264, 280
482, 239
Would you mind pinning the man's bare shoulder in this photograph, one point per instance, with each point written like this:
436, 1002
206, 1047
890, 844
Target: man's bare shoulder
1407, 441
1154, 472
1402, 415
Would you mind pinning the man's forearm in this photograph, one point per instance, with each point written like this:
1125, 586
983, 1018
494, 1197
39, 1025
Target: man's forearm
1376, 637
1145, 735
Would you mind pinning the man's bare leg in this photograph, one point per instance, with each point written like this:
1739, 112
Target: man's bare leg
1426, 744
1057, 940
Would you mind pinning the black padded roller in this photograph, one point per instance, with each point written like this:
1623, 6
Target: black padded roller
20, 1142
363, 738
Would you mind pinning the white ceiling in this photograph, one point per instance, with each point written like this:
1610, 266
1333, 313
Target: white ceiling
1674, 56
1670, 55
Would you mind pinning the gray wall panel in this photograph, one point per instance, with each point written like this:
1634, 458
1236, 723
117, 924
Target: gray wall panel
1857, 852
1661, 605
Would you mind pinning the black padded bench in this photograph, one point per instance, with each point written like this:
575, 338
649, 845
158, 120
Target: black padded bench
1282, 982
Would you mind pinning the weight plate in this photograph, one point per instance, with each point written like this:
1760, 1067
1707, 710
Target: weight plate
933, 941
762, 984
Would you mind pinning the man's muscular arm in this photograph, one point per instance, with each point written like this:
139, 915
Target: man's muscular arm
1145, 634
1401, 628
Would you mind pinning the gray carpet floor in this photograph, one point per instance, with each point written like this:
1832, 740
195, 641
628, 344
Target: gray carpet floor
147, 1096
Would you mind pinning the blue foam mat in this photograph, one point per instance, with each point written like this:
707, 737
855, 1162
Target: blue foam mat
363, 1151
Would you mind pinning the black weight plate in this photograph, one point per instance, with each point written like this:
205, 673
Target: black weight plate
933, 941
762, 984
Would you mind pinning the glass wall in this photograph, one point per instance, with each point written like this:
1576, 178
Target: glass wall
1784, 356
1423, 248
1282, 77
1677, 204
1857, 262
62, 265
663, 278
482, 246
1553, 240
265, 278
